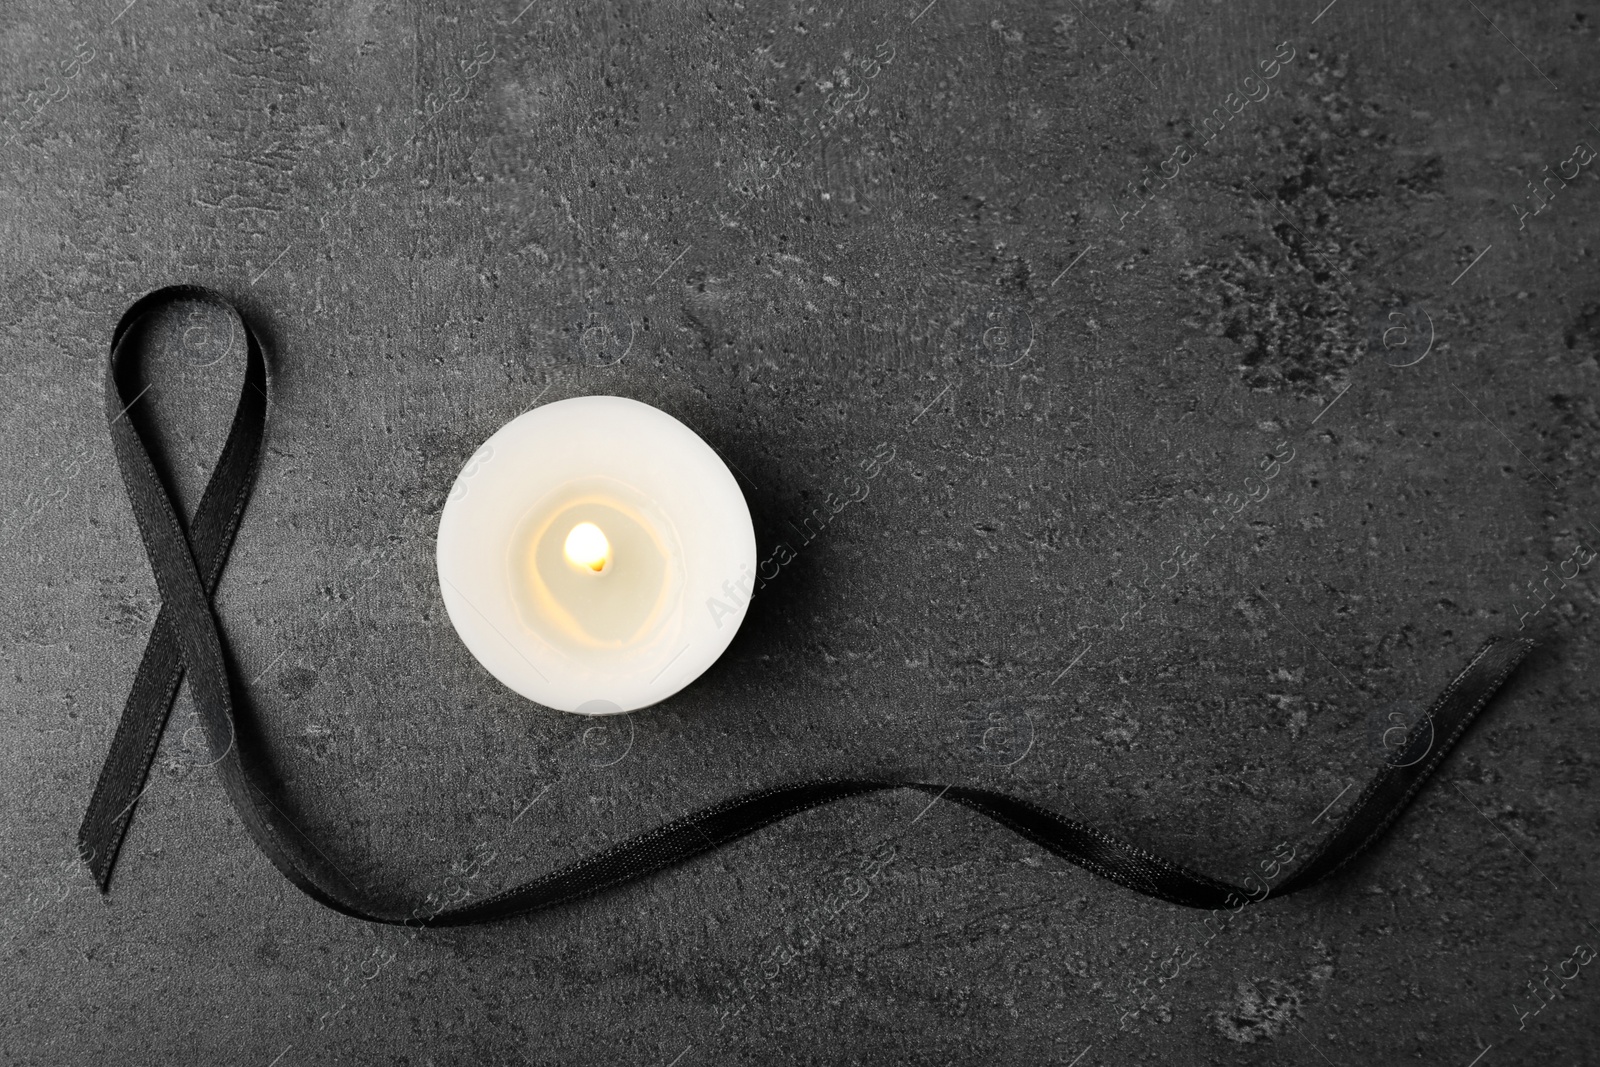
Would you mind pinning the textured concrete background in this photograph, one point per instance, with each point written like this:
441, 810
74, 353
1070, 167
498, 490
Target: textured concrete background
446, 213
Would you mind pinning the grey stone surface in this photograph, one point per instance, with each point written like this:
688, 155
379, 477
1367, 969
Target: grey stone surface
445, 214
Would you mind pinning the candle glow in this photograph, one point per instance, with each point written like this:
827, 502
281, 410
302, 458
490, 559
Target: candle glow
587, 547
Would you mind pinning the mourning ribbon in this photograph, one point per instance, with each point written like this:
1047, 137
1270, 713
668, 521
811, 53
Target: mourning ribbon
188, 560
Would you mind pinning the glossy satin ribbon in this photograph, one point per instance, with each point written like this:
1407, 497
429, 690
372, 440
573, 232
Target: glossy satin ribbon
188, 559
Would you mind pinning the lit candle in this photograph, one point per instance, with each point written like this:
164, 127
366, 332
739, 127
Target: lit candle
595, 555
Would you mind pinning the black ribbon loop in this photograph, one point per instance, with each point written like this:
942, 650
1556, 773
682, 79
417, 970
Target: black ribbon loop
185, 641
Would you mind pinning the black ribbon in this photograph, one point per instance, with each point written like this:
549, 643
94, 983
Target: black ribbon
187, 562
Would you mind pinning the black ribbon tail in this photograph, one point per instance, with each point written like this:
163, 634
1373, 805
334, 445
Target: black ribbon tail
186, 642
1427, 744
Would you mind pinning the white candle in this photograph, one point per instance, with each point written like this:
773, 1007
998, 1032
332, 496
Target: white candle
595, 555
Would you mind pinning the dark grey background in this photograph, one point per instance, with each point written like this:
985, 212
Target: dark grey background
422, 280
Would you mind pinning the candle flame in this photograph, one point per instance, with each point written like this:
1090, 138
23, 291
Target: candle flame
588, 548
